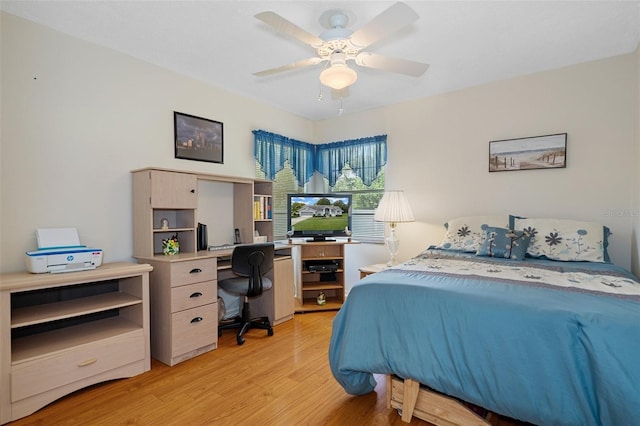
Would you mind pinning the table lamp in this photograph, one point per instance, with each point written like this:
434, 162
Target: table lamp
393, 208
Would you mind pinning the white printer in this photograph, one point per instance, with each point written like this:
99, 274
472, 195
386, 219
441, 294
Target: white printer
59, 250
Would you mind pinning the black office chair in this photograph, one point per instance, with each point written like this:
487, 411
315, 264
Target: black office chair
250, 263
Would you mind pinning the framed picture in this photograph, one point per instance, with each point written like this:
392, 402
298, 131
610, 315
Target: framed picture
197, 138
536, 152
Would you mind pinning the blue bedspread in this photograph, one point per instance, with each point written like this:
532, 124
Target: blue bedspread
540, 353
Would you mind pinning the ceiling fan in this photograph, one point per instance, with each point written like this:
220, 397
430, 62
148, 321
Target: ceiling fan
338, 44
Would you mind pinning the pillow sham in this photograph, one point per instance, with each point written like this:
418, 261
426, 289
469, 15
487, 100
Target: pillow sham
565, 240
505, 243
467, 233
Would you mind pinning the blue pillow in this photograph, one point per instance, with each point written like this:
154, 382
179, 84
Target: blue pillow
504, 243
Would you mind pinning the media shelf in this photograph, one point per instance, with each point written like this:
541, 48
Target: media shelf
63, 332
326, 261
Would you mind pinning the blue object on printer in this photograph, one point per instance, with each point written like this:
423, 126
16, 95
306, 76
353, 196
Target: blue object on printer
59, 250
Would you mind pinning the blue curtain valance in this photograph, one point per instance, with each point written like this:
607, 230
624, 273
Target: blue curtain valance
272, 150
365, 156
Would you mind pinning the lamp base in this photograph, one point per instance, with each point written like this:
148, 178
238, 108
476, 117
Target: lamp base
393, 244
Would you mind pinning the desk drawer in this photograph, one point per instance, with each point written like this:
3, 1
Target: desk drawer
40, 375
193, 295
194, 328
193, 271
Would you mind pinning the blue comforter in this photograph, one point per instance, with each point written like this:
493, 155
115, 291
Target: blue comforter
538, 352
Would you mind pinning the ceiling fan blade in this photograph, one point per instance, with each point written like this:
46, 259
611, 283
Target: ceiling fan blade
385, 63
391, 20
284, 26
295, 65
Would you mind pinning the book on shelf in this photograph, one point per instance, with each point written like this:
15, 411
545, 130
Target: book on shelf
262, 207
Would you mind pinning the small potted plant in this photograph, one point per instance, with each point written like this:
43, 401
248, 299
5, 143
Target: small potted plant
171, 245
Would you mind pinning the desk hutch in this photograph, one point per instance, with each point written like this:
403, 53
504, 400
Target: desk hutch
184, 304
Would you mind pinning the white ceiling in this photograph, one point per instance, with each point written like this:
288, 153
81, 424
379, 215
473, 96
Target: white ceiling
466, 43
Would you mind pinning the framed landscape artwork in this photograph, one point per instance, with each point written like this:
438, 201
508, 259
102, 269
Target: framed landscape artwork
197, 138
536, 152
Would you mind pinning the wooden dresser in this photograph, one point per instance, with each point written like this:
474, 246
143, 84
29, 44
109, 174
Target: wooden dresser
63, 332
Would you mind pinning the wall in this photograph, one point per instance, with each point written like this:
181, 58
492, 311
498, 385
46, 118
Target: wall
77, 118
635, 247
438, 149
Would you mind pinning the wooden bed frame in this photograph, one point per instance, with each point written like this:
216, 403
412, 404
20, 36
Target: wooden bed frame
411, 399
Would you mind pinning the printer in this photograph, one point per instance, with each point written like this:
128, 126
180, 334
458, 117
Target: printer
59, 250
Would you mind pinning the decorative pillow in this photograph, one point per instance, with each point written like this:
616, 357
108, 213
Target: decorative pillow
566, 240
505, 243
467, 234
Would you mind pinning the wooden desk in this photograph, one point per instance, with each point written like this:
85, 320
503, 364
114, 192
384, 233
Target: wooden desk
184, 300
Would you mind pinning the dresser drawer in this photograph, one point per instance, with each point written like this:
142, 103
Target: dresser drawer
193, 271
40, 375
194, 328
193, 295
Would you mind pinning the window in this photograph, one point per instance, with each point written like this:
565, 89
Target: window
354, 166
365, 201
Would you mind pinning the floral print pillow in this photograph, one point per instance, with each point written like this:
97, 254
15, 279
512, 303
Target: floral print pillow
505, 243
467, 233
566, 240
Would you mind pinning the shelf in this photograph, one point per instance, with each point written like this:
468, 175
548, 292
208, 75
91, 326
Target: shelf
38, 345
39, 314
306, 258
310, 305
316, 286
337, 271
170, 230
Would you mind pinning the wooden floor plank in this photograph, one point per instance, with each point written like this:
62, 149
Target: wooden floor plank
284, 379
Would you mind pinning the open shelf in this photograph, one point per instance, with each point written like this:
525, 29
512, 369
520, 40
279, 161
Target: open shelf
39, 314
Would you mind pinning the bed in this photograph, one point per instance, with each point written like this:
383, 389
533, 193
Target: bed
551, 340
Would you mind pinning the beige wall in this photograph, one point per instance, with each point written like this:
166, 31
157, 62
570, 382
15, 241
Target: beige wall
438, 148
77, 118
635, 244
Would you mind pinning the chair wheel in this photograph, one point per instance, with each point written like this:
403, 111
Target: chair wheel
240, 340
270, 332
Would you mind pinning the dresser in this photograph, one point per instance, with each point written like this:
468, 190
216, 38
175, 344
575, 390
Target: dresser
63, 332
184, 306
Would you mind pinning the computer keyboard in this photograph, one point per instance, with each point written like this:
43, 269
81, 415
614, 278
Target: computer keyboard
222, 247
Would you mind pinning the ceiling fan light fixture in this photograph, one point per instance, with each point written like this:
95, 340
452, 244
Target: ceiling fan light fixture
338, 76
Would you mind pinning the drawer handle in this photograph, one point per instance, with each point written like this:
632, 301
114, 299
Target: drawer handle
88, 362
195, 271
196, 294
196, 319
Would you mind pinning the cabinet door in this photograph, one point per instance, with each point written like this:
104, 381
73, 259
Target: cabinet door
284, 292
173, 190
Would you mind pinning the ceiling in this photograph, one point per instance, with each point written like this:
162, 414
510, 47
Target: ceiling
466, 43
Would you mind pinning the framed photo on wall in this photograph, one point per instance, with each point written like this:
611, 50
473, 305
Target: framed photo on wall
198, 138
536, 152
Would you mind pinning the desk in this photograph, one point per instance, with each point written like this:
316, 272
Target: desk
184, 300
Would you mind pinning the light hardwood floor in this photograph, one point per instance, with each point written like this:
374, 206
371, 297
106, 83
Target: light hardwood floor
280, 380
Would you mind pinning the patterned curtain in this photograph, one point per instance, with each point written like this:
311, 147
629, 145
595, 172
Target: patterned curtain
365, 156
272, 150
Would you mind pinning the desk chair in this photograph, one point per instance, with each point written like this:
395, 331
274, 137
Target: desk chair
249, 263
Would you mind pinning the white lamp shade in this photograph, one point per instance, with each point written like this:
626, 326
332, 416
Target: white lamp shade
393, 207
338, 76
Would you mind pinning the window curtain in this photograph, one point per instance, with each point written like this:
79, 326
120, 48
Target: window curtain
365, 156
272, 150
